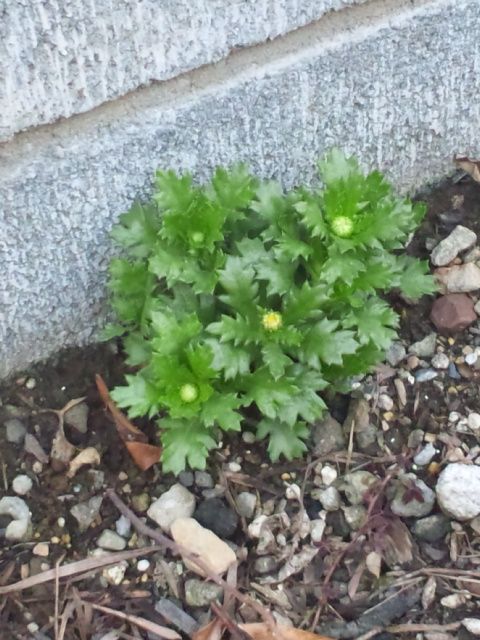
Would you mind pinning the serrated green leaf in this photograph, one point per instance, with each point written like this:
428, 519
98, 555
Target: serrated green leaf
110, 331
374, 323
171, 334
284, 439
138, 230
278, 276
139, 396
414, 279
238, 280
232, 361
185, 443
238, 330
275, 359
326, 343
138, 349
221, 410
234, 188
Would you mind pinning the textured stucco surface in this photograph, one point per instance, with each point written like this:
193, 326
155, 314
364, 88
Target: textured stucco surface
400, 91
60, 57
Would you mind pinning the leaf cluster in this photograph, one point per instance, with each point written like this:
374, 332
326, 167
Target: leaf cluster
239, 302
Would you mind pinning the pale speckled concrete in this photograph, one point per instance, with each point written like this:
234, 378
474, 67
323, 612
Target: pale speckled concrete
60, 57
400, 89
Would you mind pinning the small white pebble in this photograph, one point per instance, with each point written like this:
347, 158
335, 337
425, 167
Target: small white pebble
142, 565
37, 467
440, 361
41, 549
471, 358
248, 437
234, 467
385, 402
122, 476
425, 456
293, 492
61, 522
22, 485
31, 383
328, 474
32, 627
454, 417
473, 421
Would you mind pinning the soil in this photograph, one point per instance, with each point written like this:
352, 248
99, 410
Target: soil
72, 375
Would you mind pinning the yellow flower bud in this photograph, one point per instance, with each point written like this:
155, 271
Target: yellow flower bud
272, 320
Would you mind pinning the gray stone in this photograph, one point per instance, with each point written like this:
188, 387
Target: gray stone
216, 515
356, 484
462, 278
186, 478
203, 480
77, 417
355, 516
329, 498
425, 375
86, 512
328, 436
111, 540
199, 593
59, 59
16, 509
15, 431
440, 361
458, 491
396, 352
460, 239
95, 165
246, 503
424, 348
385, 402
265, 564
141, 502
175, 503
413, 498
123, 526
432, 528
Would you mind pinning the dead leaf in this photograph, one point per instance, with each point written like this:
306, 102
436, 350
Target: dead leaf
88, 456
144, 455
374, 563
211, 631
297, 562
470, 166
261, 631
126, 430
62, 451
398, 544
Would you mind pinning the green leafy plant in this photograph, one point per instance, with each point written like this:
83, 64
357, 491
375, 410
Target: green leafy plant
238, 302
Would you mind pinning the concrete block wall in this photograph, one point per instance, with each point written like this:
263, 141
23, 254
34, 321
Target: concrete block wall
97, 95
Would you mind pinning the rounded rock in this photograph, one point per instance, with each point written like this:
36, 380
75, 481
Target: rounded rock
175, 503
420, 501
440, 361
458, 491
473, 421
111, 540
453, 313
22, 484
215, 515
246, 503
15, 431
